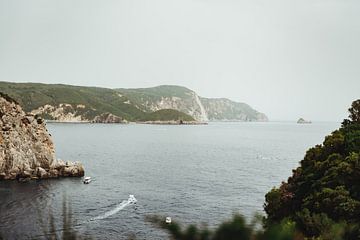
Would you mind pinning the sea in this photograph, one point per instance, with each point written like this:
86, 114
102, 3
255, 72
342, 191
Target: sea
195, 174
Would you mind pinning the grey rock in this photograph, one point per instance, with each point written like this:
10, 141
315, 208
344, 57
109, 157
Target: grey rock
41, 173
26, 149
108, 118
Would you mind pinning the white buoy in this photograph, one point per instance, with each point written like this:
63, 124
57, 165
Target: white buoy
168, 220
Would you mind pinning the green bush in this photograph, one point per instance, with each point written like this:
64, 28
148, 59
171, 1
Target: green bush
323, 195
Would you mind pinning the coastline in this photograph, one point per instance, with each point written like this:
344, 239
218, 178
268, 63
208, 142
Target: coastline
172, 123
125, 123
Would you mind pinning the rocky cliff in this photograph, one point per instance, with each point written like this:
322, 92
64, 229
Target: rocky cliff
108, 118
188, 101
222, 109
167, 97
26, 148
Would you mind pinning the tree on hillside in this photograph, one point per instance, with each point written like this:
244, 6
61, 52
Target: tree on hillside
324, 192
355, 111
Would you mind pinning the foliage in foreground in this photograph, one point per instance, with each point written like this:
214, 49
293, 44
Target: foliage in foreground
66, 231
234, 229
321, 201
323, 194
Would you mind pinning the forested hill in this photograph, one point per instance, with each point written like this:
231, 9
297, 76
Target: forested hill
322, 197
75, 103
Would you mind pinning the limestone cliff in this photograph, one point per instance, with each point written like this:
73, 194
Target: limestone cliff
75, 113
26, 148
108, 118
189, 102
63, 112
167, 97
223, 109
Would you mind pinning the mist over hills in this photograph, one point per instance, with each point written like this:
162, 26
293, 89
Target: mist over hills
67, 103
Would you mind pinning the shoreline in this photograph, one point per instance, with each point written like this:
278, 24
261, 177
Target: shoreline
126, 123
172, 123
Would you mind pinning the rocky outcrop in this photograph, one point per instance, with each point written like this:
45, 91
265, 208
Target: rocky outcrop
26, 148
187, 101
189, 104
303, 121
108, 118
222, 109
65, 112
174, 122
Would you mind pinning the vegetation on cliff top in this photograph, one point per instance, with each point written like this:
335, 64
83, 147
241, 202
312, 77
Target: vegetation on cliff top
168, 115
216, 108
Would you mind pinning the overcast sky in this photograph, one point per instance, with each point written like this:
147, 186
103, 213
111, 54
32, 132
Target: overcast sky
286, 58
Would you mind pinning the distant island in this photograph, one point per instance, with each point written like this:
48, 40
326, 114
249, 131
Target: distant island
163, 104
303, 121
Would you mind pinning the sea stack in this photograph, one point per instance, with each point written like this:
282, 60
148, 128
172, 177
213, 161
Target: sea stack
26, 149
303, 121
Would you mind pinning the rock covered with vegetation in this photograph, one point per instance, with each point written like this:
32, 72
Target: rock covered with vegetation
165, 97
26, 148
108, 118
323, 194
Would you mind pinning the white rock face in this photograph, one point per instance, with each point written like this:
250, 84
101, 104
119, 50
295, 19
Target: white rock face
65, 112
108, 118
203, 114
190, 105
62, 113
26, 149
222, 109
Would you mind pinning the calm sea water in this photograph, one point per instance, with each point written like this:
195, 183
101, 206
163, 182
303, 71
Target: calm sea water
195, 174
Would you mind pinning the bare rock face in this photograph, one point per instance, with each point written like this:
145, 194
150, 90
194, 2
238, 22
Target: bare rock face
26, 149
108, 118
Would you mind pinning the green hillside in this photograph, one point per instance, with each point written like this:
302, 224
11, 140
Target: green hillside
168, 115
75, 103
158, 92
145, 97
184, 99
96, 100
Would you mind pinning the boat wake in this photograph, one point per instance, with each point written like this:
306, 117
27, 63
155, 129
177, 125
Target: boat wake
119, 207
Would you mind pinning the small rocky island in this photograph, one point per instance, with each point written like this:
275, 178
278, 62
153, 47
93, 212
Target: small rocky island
303, 121
174, 122
26, 149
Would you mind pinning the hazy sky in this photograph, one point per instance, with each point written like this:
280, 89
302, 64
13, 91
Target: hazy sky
286, 58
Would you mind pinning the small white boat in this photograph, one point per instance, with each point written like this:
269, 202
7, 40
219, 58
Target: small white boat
168, 220
132, 199
87, 180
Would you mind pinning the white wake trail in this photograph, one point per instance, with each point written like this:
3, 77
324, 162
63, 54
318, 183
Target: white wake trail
118, 208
